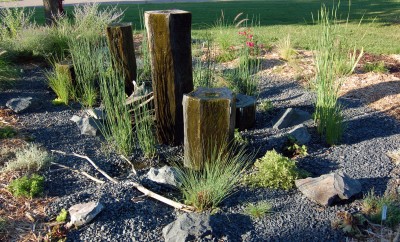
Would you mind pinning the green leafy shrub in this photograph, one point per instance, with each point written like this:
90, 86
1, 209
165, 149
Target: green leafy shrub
274, 171
7, 132
208, 187
292, 148
372, 207
62, 216
27, 186
239, 139
266, 106
378, 67
258, 210
29, 159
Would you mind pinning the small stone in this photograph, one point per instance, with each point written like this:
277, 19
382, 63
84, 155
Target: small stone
19, 105
329, 188
300, 133
165, 175
188, 226
87, 125
291, 117
96, 113
245, 111
83, 213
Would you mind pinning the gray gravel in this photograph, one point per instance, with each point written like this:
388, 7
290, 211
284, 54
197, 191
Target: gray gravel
369, 136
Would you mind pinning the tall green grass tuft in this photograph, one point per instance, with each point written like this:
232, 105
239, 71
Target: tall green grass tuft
207, 188
7, 71
59, 81
144, 129
333, 61
205, 67
12, 21
117, 127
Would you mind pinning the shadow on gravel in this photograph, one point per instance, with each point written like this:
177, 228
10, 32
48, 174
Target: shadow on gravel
231, 225
276, 87
379, 184
370, 126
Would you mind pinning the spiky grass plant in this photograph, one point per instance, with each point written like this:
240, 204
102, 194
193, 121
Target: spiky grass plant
332, 61
205, 67
372, 206
208, 187
144, 127
60, 82
7, 71
286, 50
258, 210
29, 159
117, 127
13, 20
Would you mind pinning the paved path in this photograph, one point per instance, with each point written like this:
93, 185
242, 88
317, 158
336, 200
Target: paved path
39, 3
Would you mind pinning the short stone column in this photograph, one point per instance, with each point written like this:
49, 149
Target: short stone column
169, 39
209, 123
120, 42
245, 111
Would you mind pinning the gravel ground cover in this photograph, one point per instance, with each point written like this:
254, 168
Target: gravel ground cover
129, 217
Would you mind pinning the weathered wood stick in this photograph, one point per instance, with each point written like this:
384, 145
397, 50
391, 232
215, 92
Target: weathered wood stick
90, 161
138, 186
79, 172
130, 162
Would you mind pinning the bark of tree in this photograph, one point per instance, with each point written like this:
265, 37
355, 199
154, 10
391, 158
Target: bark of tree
51, 10
120, 39
169, 39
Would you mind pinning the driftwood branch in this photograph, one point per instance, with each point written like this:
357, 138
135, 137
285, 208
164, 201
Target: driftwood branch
132, 99
79, 172
138, 186
130, 162
90, 161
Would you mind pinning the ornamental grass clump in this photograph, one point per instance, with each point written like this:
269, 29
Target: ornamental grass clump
208, 187
258, 210
274, 171
144, 130
117, 127
332, 61
60, 82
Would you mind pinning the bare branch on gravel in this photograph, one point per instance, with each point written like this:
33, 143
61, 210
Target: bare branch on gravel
79, 172
138, 186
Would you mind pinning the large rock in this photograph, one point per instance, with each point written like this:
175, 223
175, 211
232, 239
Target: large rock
19, 105
329, 188
87, 125
300, 133
83, 213
291, 117
96, 113
165, 175
188, 226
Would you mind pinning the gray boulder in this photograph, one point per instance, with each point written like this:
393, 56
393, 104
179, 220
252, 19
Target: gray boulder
83, 213
19, 105
188, 226
300, 133
329, 188
290, 118
86, 125
165, 175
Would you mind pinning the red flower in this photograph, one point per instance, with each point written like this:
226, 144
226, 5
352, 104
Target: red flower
250, 36
250, 44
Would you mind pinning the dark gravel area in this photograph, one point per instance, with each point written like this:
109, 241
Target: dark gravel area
362, 155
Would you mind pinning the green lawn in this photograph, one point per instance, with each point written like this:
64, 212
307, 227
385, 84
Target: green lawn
379, 31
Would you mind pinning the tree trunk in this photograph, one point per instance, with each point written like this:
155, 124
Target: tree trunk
169, 38
209, 118
120, 39
51, 10
245, 112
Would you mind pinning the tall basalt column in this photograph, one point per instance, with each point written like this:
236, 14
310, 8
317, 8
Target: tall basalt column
209, 118
120, 39
169, 38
